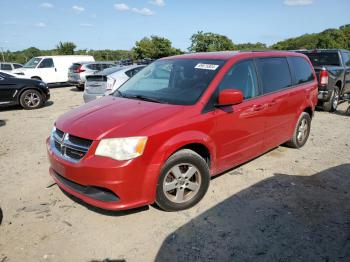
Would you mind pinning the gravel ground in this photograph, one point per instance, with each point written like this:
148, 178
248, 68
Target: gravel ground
287, 205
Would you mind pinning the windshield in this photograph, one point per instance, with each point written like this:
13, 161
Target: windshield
32, 63
178, 81
324, 58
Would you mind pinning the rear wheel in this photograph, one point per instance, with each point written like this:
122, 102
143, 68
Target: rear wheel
332, 104
80, 87
301, 132
183, 181
31, 99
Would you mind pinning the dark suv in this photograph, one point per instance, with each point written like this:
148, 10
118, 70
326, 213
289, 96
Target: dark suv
332, 67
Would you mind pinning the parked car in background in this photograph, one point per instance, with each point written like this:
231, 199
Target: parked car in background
107, 81
332, 68
145, 61
51, 69
125, 62
78, 72
181, 120
28, 93
7, 66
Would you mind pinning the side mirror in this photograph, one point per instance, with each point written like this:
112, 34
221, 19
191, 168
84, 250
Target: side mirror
229, 97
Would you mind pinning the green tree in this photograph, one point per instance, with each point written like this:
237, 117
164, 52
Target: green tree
332, 38
65, 48
206, 42
154, 47
250, 46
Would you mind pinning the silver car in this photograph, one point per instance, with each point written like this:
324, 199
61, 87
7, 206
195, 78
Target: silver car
78, 71
107, 81
5, 66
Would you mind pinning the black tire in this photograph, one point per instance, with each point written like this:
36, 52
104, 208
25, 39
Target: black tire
297, 141
180, 161
332, 104
31, 99
80, 87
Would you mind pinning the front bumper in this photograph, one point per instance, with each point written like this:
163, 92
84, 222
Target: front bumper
118, 185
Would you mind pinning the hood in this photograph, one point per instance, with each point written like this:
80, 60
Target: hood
110, 116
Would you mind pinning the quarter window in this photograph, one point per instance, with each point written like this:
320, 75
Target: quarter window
302, 70
46, 63
7, 67
274, 73
242, 76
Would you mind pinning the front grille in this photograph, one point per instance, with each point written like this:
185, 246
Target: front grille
69, 147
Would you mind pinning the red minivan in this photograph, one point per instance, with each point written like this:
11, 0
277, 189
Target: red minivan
182, 119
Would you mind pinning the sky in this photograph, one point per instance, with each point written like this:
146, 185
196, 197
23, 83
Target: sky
118, 24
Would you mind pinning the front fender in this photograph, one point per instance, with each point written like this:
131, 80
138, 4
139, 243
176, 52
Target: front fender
173, 144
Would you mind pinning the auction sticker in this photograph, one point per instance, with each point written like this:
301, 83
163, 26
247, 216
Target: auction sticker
206, 66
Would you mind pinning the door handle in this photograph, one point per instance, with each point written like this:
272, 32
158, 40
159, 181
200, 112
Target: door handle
55, 69
273, 102
258, 107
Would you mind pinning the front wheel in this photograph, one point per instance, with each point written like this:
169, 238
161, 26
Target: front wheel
31, 99
301, 131
183, 181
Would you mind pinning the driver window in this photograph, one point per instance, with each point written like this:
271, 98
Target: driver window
242, 76
46, 63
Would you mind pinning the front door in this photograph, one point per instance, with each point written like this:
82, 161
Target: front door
7, 90
239, 131
47, 71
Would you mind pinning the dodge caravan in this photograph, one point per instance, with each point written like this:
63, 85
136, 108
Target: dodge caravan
181, 120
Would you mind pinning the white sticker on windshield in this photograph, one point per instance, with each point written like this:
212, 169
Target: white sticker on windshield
206, 66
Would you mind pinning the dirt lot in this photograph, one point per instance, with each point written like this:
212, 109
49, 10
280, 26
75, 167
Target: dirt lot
288, 205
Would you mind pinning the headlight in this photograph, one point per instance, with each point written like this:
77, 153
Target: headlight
42, 84
122, 148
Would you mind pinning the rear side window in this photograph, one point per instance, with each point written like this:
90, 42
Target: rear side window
274, 73
302, 70
242, 76
6, 67
346, 59
46, 63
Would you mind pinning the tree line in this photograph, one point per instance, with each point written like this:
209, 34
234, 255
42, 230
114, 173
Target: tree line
155, 47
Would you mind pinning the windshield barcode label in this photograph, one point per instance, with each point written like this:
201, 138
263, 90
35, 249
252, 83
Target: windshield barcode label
206, 66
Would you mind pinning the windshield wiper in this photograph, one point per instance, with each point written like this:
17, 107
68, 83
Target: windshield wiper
145, 98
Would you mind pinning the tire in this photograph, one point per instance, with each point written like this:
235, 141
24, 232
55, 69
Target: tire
332, 104
301, 132
80, 87
31, 99
177, 192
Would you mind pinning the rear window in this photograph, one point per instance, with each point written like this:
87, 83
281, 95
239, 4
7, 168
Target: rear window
4, 75
274, 73
75, 66
324, 58
302, 70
